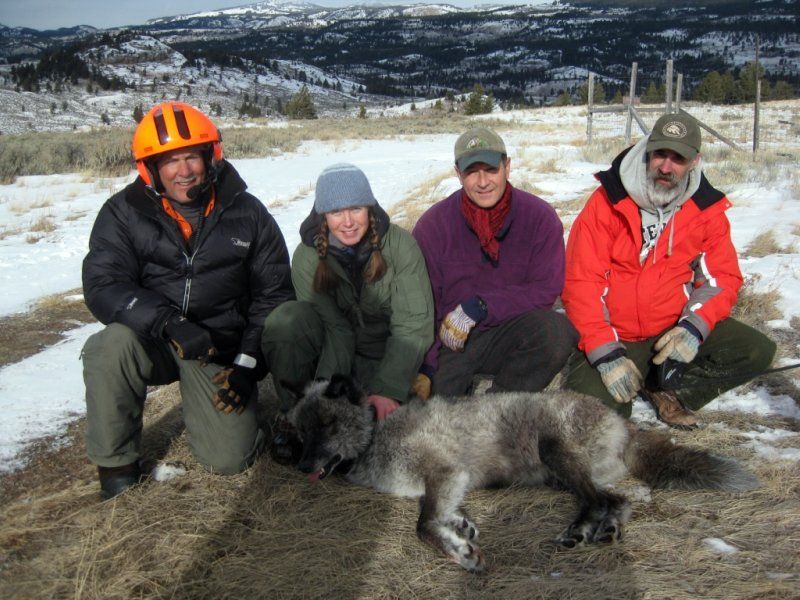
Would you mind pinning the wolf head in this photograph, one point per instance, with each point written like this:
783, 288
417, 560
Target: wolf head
334, 422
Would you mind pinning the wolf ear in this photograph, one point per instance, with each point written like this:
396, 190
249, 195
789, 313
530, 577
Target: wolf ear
295, 388
344, 386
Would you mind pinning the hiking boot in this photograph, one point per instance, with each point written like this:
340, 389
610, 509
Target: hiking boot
671, 410
286, 447
115, 480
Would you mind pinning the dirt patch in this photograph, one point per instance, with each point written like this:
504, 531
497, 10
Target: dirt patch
24, 334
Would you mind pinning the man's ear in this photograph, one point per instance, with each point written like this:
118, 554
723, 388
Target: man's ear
695, 160
459, 175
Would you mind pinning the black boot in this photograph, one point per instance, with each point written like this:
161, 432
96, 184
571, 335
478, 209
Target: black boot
115, 480
286, 447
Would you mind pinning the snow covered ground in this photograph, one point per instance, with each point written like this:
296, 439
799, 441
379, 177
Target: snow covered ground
43, 393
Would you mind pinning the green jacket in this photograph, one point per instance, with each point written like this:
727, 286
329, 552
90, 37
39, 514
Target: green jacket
390, 321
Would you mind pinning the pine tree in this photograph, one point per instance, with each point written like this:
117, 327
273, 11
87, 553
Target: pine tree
138, 114
563, 99
301, 105
478, 103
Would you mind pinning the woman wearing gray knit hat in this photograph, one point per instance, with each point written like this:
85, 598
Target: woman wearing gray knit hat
364, 305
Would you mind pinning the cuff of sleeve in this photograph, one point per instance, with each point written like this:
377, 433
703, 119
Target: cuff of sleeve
596, 354
613, 355
698, 322
428, 371
691, 328
475, 309
246, 361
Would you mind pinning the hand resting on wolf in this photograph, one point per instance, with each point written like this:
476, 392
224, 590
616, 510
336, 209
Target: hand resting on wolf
440, 449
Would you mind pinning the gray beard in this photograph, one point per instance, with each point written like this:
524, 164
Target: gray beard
659, 195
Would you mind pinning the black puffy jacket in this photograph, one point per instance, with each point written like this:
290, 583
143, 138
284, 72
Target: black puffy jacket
138, 270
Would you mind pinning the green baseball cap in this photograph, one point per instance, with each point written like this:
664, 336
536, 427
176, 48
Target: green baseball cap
677, 132
479, 145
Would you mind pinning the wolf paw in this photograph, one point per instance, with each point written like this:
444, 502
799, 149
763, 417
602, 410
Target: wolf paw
608, 531
464, 527
471, 558
577, 534
605, 531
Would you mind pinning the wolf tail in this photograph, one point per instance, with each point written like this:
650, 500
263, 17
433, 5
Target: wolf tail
656, 460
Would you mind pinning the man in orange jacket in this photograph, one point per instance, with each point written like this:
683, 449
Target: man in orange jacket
652, 276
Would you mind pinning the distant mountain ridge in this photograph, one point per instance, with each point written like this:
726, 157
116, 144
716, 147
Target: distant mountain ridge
256, 56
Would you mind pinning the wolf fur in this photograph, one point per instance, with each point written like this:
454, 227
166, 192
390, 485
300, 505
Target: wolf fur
440, 449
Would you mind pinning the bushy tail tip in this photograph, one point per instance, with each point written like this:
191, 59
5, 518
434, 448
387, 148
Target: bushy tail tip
653, 458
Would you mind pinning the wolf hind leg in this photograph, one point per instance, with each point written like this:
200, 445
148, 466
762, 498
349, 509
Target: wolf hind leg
442, 523
602, 514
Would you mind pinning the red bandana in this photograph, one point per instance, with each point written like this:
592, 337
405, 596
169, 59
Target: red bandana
486, 222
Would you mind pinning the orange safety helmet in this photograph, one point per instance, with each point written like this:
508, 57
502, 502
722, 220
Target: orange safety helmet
169, 126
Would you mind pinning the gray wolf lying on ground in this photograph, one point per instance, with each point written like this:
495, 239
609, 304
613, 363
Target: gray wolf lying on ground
440, 449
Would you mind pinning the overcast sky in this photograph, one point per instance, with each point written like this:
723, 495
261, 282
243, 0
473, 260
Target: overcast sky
51, 14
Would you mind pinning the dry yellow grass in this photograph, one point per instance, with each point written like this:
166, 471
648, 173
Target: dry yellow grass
268, 533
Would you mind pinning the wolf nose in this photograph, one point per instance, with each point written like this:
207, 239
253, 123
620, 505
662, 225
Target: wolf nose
305, 468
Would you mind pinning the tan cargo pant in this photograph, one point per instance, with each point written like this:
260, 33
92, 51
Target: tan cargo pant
117, 368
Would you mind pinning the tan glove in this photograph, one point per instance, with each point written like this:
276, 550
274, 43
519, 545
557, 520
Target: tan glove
679, 344
421, 387
621, 378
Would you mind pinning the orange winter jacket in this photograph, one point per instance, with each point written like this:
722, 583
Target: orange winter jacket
611, 297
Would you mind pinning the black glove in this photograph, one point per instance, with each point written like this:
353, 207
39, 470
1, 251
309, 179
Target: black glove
236, 385
190, 341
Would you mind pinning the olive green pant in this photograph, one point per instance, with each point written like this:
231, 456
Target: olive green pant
733, 352
117, 368
294, 336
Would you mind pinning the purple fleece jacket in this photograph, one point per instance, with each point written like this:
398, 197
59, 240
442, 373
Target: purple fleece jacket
528, 275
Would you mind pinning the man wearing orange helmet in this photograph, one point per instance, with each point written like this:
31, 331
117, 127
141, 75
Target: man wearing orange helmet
183, 268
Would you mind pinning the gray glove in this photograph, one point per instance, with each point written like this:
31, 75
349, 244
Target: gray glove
621, 378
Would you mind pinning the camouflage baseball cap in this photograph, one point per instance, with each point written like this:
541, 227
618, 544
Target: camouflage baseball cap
479, 145
677, 132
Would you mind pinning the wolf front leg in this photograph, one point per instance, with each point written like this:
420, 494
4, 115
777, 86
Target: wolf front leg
602, 514
441, 522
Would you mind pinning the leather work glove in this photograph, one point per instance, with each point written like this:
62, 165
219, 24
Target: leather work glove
384, 406
190, 341
457, 324
421, 387
678, 344
621, 378
236, 385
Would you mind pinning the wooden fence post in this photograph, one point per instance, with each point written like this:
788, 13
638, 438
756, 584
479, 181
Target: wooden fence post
631, 97
589, 107
756, 112
669, 87
678, 92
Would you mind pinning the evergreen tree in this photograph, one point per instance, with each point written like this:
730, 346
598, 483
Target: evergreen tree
563, 99
599, 93
301, 105
362, 112
478, 103
138, 114
654, 93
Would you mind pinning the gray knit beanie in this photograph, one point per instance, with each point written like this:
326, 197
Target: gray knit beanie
342, 186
